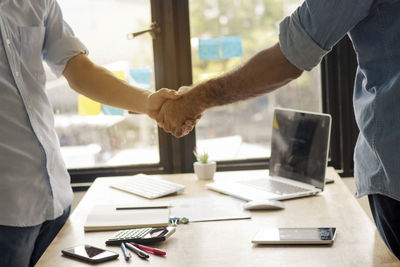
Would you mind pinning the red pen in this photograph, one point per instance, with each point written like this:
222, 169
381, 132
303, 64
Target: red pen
151, 250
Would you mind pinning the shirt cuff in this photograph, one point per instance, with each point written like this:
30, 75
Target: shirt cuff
297, 46
62, 51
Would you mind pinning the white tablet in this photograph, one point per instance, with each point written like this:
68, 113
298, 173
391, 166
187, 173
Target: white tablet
314, 235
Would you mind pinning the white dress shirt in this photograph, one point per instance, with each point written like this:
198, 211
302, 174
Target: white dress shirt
34, 182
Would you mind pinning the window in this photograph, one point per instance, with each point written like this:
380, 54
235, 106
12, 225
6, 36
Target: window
95, 135
236, 135
242, 130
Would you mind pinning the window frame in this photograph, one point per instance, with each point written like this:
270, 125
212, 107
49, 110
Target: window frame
173, 68
338, 71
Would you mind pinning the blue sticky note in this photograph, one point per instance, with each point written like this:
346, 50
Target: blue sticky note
209, 49
262, 101
141, 76
231, 46
108, 110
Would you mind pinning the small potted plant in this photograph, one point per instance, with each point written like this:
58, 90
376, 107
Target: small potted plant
203, 167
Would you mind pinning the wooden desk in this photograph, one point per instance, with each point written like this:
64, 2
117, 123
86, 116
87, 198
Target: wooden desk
228, 243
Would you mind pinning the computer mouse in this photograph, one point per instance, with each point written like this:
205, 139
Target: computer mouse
264, 204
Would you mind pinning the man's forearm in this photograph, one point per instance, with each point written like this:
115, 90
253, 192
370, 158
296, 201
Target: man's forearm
263, 73
101, 85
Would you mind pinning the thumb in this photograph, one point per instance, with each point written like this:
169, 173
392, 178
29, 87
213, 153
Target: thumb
184, 89
169, 94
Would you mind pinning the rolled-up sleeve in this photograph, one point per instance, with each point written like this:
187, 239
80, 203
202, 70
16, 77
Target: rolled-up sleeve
316, 26
60, 43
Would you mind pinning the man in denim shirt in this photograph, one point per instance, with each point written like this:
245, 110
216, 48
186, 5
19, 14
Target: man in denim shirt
305, 37
35, 190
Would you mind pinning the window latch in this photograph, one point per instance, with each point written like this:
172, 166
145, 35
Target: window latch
154, 30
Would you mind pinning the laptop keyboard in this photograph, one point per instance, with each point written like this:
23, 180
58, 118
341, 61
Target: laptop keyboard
273, 186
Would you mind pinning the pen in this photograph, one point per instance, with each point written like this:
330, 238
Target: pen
137, 251
151, 250
142, 208
126, 253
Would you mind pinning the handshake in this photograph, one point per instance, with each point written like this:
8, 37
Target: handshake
177, 112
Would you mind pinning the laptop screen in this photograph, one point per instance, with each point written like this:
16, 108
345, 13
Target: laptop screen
299, 146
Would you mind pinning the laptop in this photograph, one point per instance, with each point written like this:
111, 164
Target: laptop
299, 156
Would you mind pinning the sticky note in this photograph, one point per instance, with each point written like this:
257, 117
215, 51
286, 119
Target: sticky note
209, 49
262, 101
87, 106
109, 110
231, 46
276, 125
141, 76
119, 73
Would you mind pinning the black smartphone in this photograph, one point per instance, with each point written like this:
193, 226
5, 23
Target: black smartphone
90, 254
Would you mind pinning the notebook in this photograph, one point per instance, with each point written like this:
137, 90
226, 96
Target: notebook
108, 217
299, 155
202, 209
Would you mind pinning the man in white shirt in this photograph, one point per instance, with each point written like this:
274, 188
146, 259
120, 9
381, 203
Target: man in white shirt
35, 191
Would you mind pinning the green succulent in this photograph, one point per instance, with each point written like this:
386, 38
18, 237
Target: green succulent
201, 157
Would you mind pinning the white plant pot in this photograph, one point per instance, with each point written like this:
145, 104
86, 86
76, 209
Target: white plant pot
205, 171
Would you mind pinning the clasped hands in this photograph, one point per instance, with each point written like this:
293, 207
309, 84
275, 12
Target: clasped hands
174, 111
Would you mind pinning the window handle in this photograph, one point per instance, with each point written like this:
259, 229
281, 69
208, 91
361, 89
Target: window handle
154, 30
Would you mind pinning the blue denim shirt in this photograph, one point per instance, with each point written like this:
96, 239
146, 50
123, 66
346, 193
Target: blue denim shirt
34, 182
374, 28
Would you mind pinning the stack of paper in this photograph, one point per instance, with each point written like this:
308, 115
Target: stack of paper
108, 217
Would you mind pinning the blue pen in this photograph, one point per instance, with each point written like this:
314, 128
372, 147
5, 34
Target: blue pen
127, 254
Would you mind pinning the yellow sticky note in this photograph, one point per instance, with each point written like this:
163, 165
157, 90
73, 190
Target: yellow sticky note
87, 106
276, 125
119, 73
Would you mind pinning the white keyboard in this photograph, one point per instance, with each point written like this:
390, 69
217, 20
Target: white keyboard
148, 186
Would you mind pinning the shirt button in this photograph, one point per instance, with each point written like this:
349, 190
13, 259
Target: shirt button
8, 42
17, 74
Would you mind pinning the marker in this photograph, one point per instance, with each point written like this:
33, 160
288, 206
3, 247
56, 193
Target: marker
126, 253
151, 250
137, 251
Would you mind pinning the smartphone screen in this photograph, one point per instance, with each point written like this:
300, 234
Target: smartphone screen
90, 254
321, 235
